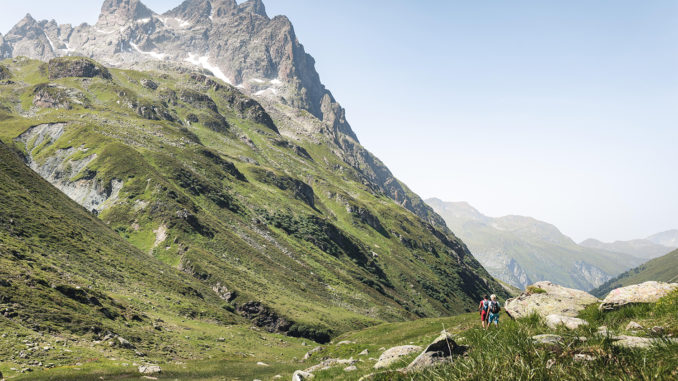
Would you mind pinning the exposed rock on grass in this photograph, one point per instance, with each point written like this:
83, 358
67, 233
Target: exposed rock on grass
548, 339
149, 369
648, 292
392, 355
81, 67
555, 300
441, 350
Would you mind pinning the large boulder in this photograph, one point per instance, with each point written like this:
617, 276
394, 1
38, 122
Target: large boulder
64, 67
648, 292
439, 351
546, 298
553, 321
392, 355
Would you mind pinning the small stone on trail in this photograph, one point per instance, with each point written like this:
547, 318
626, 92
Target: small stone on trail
261, 363
350, 368
364, 353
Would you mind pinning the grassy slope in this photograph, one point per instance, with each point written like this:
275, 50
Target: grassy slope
510, 354
663, 269
292, 264
50, 246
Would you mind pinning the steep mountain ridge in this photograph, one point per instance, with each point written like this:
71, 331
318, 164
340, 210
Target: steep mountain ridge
200, 176
238, 43
522, 250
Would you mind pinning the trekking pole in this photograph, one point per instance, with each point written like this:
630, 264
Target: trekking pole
449, 348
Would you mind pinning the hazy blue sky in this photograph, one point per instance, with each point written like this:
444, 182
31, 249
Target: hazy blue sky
565, 111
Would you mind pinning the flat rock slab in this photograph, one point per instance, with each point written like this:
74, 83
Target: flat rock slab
149, 369
555, 299
553, 321
548, 339
637, 342
648, 292
392, 355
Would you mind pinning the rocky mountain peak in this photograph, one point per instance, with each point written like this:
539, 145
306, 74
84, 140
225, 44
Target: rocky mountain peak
191, 10
223, 8
254, 6
24, 25
120, 12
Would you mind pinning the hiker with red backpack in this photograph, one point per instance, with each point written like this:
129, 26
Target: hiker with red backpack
483, 308
493, 311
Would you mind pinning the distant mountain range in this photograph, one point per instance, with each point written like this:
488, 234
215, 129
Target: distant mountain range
651, 247
522, 250
663, 269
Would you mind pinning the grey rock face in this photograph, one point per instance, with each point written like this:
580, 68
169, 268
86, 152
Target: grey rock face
59, 169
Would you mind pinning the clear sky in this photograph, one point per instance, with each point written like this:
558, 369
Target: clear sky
564, 111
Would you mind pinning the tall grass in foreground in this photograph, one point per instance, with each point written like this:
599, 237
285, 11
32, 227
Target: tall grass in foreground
509, 353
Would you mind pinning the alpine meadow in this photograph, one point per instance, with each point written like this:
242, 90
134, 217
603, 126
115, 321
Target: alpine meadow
182, 198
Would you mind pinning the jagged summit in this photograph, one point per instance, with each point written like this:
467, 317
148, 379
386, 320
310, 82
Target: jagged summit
120, 12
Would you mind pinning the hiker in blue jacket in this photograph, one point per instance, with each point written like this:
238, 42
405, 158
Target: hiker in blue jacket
494, 309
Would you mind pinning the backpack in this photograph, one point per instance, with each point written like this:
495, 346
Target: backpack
484, 304
494, 307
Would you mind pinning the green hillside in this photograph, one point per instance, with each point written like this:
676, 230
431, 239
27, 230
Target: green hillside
70, 288
274, 221
662, 269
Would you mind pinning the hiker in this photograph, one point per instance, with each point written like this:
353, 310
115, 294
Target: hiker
482, 307
493, 311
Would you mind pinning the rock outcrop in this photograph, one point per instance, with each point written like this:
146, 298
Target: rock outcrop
392, 355
549, 299
648, 292
81, 67
441, 350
